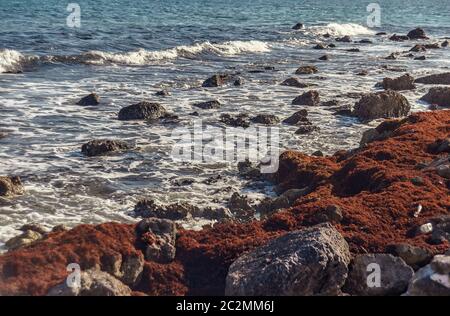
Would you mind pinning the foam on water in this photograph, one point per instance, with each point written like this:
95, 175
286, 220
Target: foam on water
341, 29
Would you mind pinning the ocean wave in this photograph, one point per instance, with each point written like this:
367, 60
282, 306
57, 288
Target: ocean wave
337, 29
12, 61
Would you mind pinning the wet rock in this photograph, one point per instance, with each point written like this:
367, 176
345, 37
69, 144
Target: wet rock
306, 129
353, 50
442, 78
381, 33
344, 39
324, 57
362, 73
248, 170
147, 208
381, 105
35, 228
216, 81
312, 261
319, 46
11, 186
417, 33
392, 56
413, 256
310, 98
399, 38
444, 44
330, 103
162, 93
60, 228
239, 202
331, 45
99, 147
208, 105
365, 41
394, 275
440, 146
433, 46
306, 70
332, 213
3, 135
298, 26
238, 82
405, 82
297, 117
318, 153
240, 120
91, 99
92, 283
420, 58
266, 119
439, 96
433, 279
142, 111
26, 238
159, 236
418, 48
294, 82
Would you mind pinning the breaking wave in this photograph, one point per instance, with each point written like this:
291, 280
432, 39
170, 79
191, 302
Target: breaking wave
337, 29
13, 61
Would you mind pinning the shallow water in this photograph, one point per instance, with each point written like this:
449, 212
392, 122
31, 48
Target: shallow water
126, 53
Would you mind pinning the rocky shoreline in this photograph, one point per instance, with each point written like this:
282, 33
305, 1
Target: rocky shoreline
386, 202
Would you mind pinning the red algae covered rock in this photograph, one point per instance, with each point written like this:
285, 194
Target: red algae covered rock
377, 188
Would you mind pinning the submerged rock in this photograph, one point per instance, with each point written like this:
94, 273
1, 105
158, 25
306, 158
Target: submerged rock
298, 26
312, 261
266, 119
381, 105
399, 38
319, 46
306, 129
418, 48
162, 93
439, 96
216, 81
142, 111
417, 33
208, 105
297, 117
99, 147
405, 82
11, 186
306, 70
91, 99
324, 57
240, 120
344, 39
310, 98
294, 82
159, 236
442, 78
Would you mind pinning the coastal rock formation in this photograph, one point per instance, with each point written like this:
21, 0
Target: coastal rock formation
91, 99
294, 82
26, 238
345, 39
148, 208
312, 261
415, 257
310, 98
417, 33
442, 78
405, 82
266, 119
159, 236
298, 26
142, 111
240, 120
306, 70
299, 117
216, 81
208, 105
439, 96
381, 105
399, 38
99, 147
378, 275
11, 186
306, 129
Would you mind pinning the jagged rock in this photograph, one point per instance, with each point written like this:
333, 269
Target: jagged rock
332, 213
405, 82
216, 80
92, 283
415, 257
142, 111
442, 78
394, 275
294, 82
239, 203
297, 117
344, 39
445, 43
35, 228
306, 129
312, 261
399, 38
208, 105
417, 33
149, 208
240, 120
384, 104
319, 46
162, 93
297, 26
127, 269
26, 238
439, 96
99, 147
216, 213
365, 41
159, 235
266, 119
11, 186
91, 99
433, 279
310, 98
306, 70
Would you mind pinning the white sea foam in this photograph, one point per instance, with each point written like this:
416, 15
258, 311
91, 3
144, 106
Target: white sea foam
12, 60
337, 29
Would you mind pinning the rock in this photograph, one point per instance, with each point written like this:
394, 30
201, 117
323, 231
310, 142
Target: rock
306, 129
405, 82
417, 33
99, 147
433, 279
445, 44
127, 268
365, 41
298, 26
35, 228
312, 261
159, 235
26, 238
344, 39
294, 82
270, 205
392, 56
442, 78
240, 120
92, 283
310, 98
399, 38
239, 203
381, 33
248, 170
441, 225
91, 99
266, 119
440, 146
394, 275
331, 45
60, 228
11, 186
3, 135
362, 73
332, 213
297, 117
381, 105
330, 103
415, 257
306, 70
439, 96
146, 208
420, 58
318, 153
418, 48
324, 57
208, 105
142, 111
238, 82
162, 93
216, 81
353, 50
319, 46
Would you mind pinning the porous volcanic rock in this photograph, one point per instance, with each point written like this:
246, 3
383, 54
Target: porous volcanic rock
306, 70
439, 96
310, 98
299, 117
99, 147
405, 82
294, 82
11, 186
159, 236
208, 105
417, 33
385, 104
142, 111
442, 78
216, 80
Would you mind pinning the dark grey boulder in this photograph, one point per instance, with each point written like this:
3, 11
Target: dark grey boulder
91, 99
100, 147
142, 111
384, 104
